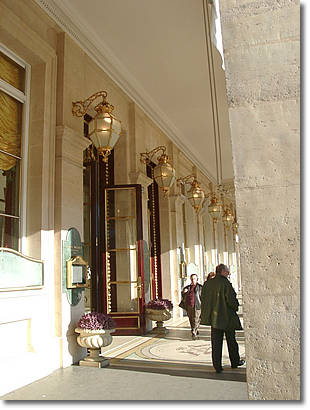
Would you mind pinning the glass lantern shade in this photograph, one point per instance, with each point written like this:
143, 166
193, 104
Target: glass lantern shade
104, 131
164, 174
215, 209
227, 218
196, 196
235, 227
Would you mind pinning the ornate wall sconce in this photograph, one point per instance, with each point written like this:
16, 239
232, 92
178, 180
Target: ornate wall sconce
215, 207
235, 227
164, 173
104, 128
227, 218
195, 194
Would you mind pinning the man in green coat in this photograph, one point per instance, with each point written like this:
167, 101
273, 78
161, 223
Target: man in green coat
219, 306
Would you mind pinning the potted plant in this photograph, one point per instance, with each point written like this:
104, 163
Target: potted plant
159, 310
95, 332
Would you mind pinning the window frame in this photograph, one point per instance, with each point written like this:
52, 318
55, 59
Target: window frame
23, 98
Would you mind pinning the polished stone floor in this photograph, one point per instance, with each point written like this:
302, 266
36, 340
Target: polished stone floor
171, 367
174, 353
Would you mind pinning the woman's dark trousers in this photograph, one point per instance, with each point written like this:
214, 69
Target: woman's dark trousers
217, 336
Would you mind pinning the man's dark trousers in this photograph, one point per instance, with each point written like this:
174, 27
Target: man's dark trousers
217, 336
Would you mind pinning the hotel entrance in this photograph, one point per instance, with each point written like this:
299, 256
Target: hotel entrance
114, 248
123, 258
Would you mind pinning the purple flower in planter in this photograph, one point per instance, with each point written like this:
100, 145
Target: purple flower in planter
96, 321
159, 304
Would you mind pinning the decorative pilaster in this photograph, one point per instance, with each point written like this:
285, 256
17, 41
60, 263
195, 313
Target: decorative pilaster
68, 213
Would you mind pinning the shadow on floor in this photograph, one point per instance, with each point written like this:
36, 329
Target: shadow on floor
178, 369
181, 334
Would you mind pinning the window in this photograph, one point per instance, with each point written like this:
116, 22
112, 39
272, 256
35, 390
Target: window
12, 118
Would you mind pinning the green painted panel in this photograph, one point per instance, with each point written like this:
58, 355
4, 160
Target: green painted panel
72, 246
19, 271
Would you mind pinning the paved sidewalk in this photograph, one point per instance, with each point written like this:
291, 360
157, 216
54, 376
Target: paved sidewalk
171, 367
87, 383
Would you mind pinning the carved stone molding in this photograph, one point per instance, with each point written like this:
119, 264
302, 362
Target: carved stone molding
70, 145
140, 178
176, 201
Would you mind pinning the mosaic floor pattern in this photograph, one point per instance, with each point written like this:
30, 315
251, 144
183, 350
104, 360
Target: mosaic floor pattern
174, 353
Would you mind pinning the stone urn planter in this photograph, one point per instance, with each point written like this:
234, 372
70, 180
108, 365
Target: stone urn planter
92, 337
159, 310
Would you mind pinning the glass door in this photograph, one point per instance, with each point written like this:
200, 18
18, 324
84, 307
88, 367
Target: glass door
123, 258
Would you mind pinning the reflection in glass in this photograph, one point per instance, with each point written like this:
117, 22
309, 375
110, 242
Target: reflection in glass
121, 203
122, 233
124, 265
9, 232
121, 250
10, 130
86, 230
9, 190
12, 72
125, 299
10, 152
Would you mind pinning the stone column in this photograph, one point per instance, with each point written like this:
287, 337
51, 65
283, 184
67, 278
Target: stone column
175, 202
215, 236
237, 261
144, 181
167, 259
179, 201
200, 242
68, 213
261, 49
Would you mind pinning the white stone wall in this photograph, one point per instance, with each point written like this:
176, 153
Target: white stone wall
261, 48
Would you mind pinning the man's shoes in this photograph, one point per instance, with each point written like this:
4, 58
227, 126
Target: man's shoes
241, 363
219, 370
194, 337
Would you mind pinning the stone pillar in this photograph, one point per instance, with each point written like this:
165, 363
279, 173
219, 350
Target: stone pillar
179, 201
216, 248
144, 181
175, 202
261, 49
167, 258
68, 213
200, 242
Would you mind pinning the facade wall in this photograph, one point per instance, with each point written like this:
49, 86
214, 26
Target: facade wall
28, 316
261, 47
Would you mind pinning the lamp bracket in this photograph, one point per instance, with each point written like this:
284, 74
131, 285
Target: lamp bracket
146, 157
189, 179
79, 108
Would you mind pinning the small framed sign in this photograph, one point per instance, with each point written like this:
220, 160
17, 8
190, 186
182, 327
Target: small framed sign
77, 273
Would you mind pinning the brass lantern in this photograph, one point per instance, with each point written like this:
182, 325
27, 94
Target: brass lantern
235, 226
163, 173
194, 194
227, 218
215, 208
104, 127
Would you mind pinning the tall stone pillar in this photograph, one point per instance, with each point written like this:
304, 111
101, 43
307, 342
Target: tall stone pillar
167, 257
68, 214
261, 50
175, 201
144, 181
